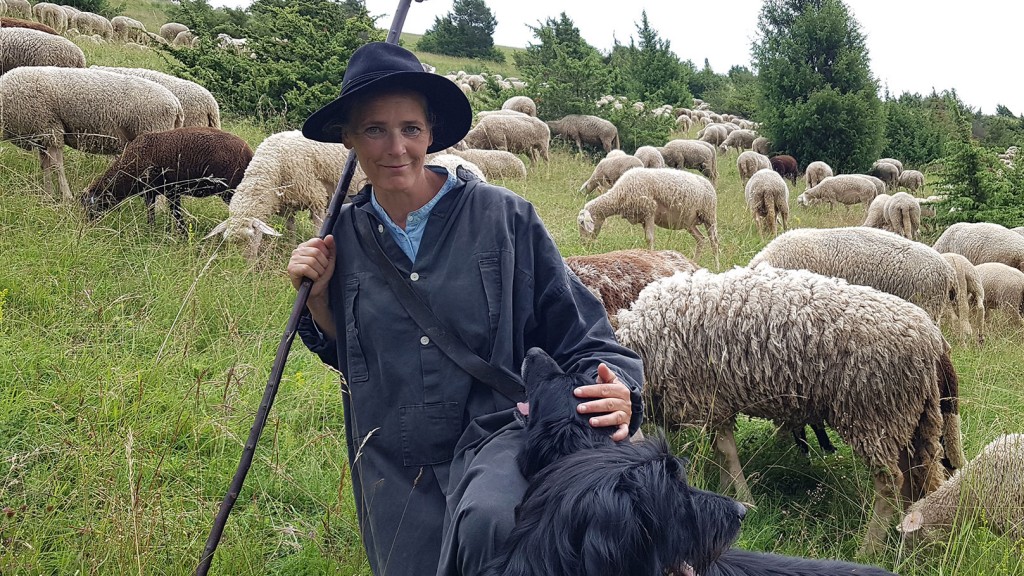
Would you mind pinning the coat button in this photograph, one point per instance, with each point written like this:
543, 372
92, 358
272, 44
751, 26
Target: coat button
414, 276
380, 228
424, 340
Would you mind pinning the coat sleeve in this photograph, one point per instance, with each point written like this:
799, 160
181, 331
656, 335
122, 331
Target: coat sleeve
317, 342
569, 322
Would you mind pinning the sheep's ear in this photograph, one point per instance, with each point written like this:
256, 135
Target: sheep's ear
218, 229
911, 522
263, 227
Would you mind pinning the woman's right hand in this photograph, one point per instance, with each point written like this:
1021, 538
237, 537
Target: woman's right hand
314, 259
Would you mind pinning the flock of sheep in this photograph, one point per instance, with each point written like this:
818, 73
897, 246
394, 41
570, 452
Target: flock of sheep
836, 327
82, 26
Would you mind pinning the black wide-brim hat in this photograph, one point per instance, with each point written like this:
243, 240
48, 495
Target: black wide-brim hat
380, 66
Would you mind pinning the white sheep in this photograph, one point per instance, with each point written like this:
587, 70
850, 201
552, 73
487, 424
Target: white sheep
767, 198
650, 156
288, 173
983, 242
694, 154
845, 189
199, 105
662, 197
27, 47
495, 164
585, 129
887, 172
816, 172
52, 15
513, 133
869, 257
452, 162
684, 123
893, 161
912, 180
1004, 289
713, 134
523, 104
903, 215
876, 213
46, 107
987, 489
1018, 230
18, 9
170, 30
608, 171
969, 304
739, 139
615, 153
128, 29
185, 39
794, 346
761, 145
749, 162
880, 187
89, 23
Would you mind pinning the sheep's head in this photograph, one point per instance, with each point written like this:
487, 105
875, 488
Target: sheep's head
588, 230
805, 200
96, 200
246, 231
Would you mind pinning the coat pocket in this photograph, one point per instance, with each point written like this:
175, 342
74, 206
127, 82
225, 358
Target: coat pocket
429, 432
490, 275
356, 361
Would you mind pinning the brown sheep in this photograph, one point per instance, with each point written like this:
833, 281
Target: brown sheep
786, 166
618, 277
6, 22
192, 161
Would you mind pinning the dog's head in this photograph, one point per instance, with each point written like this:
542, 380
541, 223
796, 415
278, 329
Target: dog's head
618, 510
554, 428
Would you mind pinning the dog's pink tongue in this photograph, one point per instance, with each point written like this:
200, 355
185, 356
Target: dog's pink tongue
524, 408
684, 570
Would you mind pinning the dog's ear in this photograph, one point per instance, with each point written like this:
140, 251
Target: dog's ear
538, 367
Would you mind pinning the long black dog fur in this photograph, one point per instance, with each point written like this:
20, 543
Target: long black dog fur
599, 508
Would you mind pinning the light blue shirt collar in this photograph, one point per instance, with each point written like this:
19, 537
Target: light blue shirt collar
416, 222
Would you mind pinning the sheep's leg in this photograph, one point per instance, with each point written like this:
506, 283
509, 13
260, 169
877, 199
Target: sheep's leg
695, 232
800, 437
978, 315
52, 159
149, 198
824, 442
175, 202
882, 513
729, 463
649, 232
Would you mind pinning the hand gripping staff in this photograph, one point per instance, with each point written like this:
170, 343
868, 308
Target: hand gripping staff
286, 342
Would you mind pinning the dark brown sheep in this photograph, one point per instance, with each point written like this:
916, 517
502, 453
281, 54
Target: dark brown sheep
786, 166
193, 161
6, 22
618, 277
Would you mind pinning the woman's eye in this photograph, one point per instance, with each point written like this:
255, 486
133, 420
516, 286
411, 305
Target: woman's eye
374, 132
412, 131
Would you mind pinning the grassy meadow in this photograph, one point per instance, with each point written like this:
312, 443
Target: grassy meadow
133, 359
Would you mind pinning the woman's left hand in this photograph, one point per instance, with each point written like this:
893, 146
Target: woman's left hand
611, 405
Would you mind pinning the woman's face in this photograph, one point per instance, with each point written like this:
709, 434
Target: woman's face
390, 135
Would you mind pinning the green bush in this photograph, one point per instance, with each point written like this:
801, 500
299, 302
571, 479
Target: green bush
980, 188
466, 31
638, 128
104, 7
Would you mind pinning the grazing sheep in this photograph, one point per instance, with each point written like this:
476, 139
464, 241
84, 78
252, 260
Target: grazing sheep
684, 123
18, 9
190, 161
584, 129
845, 189
27, 47
6, 22
869, 257
761, 145
288, 173
786, 166
1004, 289
52, 15
893, 161
1018, 230
739, 139
185, 39
816, 172
880, 187
886, 172
452, 162
691, 154
650, 156
513, 133
618, 277
749, 162
608, 171
128, 29
983, 242
713, 134
46, 107
794, 346
912, 180
88, 23
969, 305
662, 197
523, 104
876, 213
767, 199
903, 214
198, 104
987, 489
171, 29
495, 164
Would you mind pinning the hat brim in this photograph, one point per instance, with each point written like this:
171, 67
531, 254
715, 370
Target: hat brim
450, 107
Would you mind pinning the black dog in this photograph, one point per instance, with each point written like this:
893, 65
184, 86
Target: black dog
736, 562
596, 508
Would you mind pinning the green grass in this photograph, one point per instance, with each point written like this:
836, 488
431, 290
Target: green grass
446, 64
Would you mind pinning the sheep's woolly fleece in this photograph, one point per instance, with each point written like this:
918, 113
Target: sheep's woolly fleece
21, 47
198, 104
767, 198
987, 489
816, 172
845, 189
609, 170
749, 162
519, 134
588, 130
869, 257
1004, 288
650, 156
969, 305
983, 242
495, 164
903, 214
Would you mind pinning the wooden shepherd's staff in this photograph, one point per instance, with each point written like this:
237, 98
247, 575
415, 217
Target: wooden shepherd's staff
286, 342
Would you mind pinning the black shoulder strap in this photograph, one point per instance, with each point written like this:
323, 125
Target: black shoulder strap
506, 384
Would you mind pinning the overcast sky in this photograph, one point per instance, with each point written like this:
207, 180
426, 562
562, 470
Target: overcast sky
976, 47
